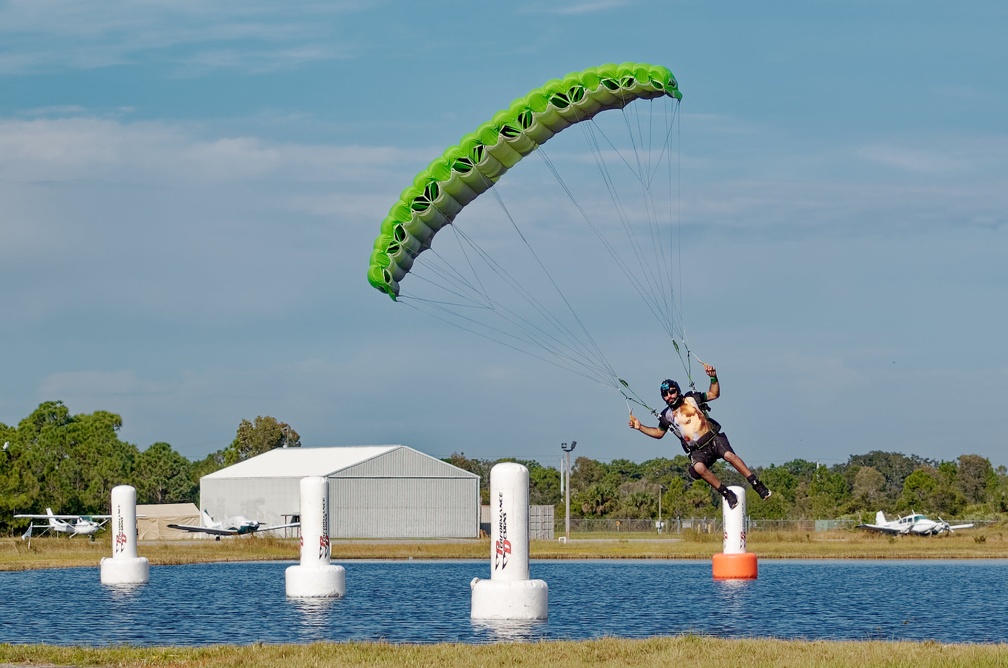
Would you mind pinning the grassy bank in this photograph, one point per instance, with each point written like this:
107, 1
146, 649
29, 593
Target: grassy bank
16, 554
680, 651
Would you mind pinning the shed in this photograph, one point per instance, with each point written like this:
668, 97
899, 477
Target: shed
153, 520
375, 491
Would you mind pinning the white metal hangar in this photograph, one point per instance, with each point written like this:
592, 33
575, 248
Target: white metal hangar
380, 491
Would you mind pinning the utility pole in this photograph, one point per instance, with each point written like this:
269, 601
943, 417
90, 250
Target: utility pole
567, 451
660, 490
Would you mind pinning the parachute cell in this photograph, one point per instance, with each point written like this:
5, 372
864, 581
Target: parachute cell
476, 163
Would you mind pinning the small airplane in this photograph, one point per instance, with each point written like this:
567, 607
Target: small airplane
74, 525
914, 523
234, 526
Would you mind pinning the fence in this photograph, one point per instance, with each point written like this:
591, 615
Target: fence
697, 524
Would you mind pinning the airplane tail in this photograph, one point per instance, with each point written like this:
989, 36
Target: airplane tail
53, 522
880, 518
208, 521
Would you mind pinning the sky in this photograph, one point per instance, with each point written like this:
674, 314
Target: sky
190, 193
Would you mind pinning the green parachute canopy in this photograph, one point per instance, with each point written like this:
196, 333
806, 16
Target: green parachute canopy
466, 170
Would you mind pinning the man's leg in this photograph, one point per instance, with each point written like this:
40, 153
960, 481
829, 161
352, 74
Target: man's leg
701, 470
740, 466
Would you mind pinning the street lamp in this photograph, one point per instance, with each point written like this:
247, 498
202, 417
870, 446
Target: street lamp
567, 473
661, 488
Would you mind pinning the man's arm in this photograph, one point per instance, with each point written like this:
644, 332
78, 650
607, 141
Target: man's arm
653, 432
715, 387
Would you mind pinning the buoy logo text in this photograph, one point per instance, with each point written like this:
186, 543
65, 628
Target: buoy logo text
502, 549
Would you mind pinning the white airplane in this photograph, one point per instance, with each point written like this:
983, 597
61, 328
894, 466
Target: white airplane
914, 523
234, 526
74, 525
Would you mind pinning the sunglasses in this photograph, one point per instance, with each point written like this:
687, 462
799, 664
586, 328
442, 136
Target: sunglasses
667, 390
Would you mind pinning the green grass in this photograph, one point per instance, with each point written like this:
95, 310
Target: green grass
679, 651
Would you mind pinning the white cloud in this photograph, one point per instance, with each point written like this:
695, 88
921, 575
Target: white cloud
46, 35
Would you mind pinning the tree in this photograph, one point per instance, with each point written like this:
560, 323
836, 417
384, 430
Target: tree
163, 476
869, 488
975, 477
827, 492
262, 435
894, 466
918, 489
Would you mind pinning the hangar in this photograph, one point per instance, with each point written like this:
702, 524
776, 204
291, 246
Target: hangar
375, 491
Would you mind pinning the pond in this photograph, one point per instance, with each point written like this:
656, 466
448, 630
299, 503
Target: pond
428, 602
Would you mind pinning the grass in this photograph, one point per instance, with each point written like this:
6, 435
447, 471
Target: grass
680, 651
62, 552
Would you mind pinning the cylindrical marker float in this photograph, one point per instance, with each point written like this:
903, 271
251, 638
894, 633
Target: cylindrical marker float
314, 576
124, 567
735, 563
509, 593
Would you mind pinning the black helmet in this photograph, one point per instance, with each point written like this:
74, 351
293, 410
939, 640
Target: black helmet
669, 384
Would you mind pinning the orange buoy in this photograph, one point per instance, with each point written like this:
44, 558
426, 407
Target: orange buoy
735, 566
734, 563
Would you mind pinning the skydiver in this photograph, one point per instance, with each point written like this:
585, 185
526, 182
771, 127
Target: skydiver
700, 435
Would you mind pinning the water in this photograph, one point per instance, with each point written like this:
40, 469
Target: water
426, 602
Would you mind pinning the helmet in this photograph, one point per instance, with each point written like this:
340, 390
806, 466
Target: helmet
669, 384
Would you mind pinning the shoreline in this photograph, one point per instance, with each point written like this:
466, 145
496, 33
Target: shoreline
49, 552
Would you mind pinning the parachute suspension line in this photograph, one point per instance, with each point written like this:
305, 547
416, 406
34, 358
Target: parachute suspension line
633, 278
473, 294
654, 287
436, 307
571, 351
599, 356
647, 288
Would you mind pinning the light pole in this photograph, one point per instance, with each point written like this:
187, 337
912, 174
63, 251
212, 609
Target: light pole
567, 472
661, 489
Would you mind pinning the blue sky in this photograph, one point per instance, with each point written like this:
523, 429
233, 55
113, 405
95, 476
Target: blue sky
191, 190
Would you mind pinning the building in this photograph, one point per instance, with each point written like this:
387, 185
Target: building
381, 491
153, 520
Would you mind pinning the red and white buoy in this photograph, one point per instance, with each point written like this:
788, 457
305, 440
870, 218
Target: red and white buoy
509, 593
315, 576
735, 563
124, 566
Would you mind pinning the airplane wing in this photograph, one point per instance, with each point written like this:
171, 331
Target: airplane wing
64, 517
198, 529
892, 531
961, 526
279, 526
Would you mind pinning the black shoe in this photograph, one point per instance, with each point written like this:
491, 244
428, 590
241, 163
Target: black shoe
730, 497
762, 490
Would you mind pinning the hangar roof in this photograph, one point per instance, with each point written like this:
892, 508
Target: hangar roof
303, 462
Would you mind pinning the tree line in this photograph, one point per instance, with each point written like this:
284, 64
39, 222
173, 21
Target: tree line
968, 486
70, 463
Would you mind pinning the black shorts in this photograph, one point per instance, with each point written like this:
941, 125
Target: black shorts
715, 449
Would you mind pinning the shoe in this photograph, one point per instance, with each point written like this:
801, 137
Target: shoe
762, 490
730, 497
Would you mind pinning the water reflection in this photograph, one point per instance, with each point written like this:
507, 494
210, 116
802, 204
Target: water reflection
508, 630
314, 616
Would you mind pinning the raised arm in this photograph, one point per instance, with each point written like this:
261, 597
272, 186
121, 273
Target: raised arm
715, 387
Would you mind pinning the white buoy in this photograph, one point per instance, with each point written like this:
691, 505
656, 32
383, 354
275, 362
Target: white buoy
124, 567
315, 577
734, 563
509, 593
